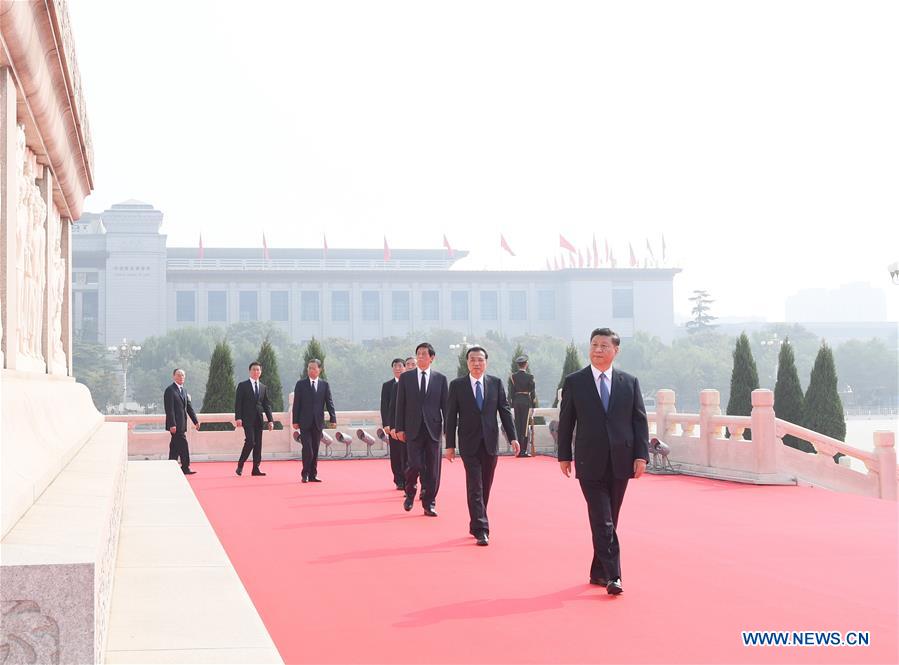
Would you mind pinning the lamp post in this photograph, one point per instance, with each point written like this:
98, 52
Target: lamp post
894, 272
126, 353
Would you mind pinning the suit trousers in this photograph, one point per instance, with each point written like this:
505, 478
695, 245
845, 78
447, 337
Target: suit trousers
310, 439
252, 433
479, 469
398, 461
178, 448
423, 455
604, 498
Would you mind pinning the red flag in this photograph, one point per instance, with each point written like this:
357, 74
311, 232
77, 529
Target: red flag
564, 244
663, 248
651, 253
386, 250
612, 260
595, 253
608, 252
200, 252
548, 267
447, 245
264, 247
580, 259
557, 262
633, 256
325, 243
570, 260
505, 245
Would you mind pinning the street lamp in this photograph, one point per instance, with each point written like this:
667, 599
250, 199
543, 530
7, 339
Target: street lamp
126, 353
894, 272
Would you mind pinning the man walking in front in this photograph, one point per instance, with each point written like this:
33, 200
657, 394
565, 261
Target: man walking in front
474, 403
251, 402
420, 412
177, 410
397, 449
611, 446
311, 396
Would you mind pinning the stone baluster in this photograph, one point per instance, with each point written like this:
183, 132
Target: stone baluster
885, 449
664, 406
9, 200
764, 431
709, 405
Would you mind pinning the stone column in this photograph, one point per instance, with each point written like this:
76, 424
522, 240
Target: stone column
9, 200
45, 184
664, 406
66, 249
764, 431
709, 405
885, 449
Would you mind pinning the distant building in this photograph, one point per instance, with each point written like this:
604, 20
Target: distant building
128, 284
851, 303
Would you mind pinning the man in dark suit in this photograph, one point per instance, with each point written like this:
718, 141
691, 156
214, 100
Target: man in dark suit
611, 445
397, 449
311, 396
524, 398
177, 410
251, 402
420, 412
474, 402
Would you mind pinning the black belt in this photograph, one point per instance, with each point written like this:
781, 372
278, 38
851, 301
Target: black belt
522, 393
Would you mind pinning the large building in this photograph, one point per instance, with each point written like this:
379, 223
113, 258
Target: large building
128, 284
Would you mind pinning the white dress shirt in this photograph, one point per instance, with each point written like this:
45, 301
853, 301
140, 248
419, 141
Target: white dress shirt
608, 379
427, 373
483, 386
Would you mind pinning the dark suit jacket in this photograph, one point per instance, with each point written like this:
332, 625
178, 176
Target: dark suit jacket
474, 425
247, 408
411, 415
622, 434
309, 408
177, 410
388, 397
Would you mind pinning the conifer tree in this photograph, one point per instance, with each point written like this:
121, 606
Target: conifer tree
462, 368
788, 397
743, 380
823, 408
219, 387
314, 350
271, 378
571, 365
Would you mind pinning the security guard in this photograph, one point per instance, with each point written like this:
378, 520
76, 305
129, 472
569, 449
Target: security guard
524, 398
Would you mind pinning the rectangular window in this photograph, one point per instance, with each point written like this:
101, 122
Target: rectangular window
185, 306
518, 305
92, 278
401, 309
217, 305
459, 305
280, 305
90, 316
248, 305
371, 306
430, 305
489, 305
546, 305
309, 306
622, 302
340, 305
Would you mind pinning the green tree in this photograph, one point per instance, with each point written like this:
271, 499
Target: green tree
869, 371
823, 408
788, 396
462, 367
314, 350
743, 380
219, 396
271, 378
702, 319
571, 365
94, 367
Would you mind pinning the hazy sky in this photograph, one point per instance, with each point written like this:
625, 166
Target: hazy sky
761, 138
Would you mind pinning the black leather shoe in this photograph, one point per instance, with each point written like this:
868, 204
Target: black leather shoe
524, 454
482, 539
407, 503
401, 488
431, 511
613, 588
189, 472
315, 480
304, 479
257, 472
599, 581
239, 469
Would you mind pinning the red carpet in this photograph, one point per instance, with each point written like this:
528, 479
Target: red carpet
341, 574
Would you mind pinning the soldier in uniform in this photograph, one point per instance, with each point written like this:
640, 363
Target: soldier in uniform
524, 397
